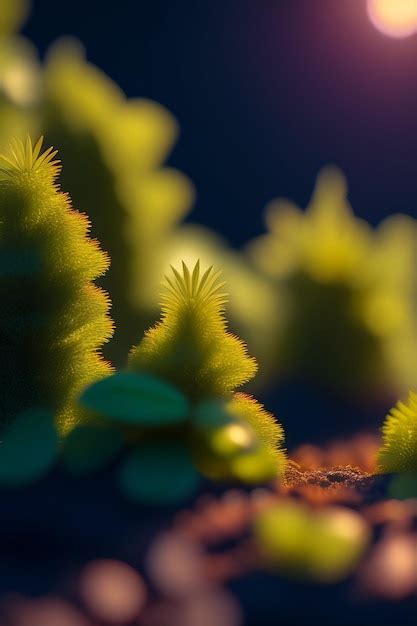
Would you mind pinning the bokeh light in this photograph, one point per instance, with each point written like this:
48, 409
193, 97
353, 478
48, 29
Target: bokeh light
396, 18
48, 611
112, 591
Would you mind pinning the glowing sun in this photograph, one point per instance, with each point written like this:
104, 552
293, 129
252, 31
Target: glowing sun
397, 18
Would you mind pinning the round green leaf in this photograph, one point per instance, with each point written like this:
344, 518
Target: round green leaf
159, 473
137, 399
89, 448
28, 448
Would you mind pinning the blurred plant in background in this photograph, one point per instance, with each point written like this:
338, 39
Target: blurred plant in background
19, 74
114, 172
347, 292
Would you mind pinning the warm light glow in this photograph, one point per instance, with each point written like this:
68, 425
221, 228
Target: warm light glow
397, 18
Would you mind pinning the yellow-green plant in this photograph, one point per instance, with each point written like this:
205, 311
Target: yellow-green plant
177, 398
399, 449
113, 149
53, 319
347, 292
190, 347
251, 296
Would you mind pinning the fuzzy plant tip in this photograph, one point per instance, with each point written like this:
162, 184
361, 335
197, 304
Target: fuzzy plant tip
193, 287
26, 157
399, 449
190, 346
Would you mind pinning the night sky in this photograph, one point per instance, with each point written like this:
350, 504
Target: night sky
266, 92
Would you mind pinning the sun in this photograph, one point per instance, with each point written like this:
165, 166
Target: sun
396, 18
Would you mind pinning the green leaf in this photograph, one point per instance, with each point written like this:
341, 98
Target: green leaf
89, 448
138, 399
28, 448
159, 473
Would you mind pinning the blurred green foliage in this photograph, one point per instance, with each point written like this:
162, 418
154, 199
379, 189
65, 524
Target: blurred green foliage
399, 449
323, 546
53, 319
347, 293
19, 75
113, 150
12, 14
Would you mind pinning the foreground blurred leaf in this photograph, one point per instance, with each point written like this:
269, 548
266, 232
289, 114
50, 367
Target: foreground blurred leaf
89, 449
136, 399
28, 448
322, 546
159, 473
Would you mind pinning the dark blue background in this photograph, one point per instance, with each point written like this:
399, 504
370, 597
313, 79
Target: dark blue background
266, 92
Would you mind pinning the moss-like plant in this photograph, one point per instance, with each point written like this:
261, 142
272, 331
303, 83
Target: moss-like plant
53, 319
178, 395
347, 292
399, 449
113, 170
252, 297
190, 347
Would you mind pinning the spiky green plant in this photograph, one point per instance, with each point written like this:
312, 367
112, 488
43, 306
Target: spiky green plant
190, 347
178, 396
53, 319
399, 450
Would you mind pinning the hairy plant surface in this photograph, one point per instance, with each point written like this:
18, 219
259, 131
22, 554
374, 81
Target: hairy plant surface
399, 449
191, 347
53, 319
